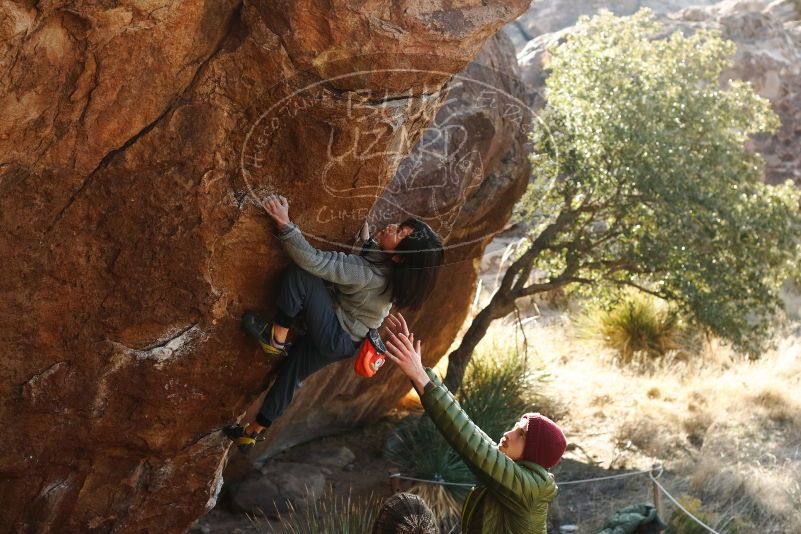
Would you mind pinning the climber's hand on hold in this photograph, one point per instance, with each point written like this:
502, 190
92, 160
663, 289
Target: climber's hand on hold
396, 324
277, 207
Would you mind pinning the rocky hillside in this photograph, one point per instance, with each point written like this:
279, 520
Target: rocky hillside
548, 16
136, 141
768, 39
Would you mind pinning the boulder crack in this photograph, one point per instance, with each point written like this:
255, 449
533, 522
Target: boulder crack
170, 339
174, 103
173, 344
42, 374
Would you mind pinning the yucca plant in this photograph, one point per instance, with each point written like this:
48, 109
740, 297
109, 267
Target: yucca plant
419, 450
638, 327
331, 513
497, 390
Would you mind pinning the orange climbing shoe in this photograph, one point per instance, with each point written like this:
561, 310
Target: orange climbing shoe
371, 355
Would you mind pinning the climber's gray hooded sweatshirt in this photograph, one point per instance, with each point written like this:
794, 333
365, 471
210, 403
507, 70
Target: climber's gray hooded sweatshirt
361, 293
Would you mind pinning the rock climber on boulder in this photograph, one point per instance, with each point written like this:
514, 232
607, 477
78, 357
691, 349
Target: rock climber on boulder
343, 298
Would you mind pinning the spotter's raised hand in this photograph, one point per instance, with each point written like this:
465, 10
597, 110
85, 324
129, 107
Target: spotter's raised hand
404, 352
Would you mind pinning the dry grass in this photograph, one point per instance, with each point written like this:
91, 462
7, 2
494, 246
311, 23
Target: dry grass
639, 328
728, 430
445, 508
343, 514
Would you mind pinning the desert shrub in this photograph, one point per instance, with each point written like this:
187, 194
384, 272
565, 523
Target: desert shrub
728, 523
680, 523
419, 450
752, 494
332, 513
654, 437
497, 391
638, 327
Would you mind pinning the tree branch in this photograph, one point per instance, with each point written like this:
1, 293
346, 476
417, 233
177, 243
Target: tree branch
517, 274
556, 283
665, 296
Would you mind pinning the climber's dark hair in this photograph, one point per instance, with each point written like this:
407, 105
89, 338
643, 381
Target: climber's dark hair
421, 254
405, 513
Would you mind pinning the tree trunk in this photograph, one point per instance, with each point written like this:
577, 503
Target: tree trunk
513, 285
502, 304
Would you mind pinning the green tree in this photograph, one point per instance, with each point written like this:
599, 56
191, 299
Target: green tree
642, 179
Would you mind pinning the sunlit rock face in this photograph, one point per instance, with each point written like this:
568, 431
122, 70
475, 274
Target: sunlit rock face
768, 39
136, 140
463, 177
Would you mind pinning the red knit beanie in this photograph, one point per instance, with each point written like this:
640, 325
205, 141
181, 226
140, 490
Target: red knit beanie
545, 441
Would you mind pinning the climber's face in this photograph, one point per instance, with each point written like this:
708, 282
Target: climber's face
390, 237
513, 441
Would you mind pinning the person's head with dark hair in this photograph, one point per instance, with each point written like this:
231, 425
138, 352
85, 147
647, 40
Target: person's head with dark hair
418, 253
405, 513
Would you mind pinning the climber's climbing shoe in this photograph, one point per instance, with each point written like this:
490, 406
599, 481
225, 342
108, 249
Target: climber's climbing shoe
371, 355
262, 331
244, 442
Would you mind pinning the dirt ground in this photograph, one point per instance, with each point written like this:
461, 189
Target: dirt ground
584, 506
368, 475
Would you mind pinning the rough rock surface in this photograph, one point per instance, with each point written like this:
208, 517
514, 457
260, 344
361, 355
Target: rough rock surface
768, 39
338, 457
135, 138
278, 487
462, 177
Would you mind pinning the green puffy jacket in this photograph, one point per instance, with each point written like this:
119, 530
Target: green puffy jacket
509, 497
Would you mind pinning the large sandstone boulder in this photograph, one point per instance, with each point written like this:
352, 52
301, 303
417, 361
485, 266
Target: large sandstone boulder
136, 139
768, 39
463, 177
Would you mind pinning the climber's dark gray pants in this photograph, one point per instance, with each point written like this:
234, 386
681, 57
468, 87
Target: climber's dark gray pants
325, 341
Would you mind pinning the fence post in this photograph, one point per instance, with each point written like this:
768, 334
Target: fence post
656, 494
394, 482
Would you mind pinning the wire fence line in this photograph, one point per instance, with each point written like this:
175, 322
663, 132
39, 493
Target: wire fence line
653, 474
436, 482
609, 477
565, 483
672, 499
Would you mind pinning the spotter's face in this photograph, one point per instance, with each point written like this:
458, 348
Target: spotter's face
513, 442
